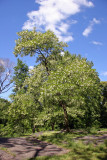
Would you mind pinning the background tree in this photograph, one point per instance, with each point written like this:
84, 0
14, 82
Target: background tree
6, 70
103, 116
4, 107
26, 108
21, 71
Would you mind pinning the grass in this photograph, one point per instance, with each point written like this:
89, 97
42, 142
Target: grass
78, 149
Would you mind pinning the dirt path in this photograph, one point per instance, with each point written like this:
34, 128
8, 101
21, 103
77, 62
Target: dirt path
20, 148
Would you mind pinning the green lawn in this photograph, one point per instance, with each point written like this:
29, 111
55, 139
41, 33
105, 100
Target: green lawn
94, 150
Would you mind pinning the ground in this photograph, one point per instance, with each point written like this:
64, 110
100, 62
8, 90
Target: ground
25, 148
21, 148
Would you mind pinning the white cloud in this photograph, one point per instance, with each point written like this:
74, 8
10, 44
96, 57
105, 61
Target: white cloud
104, 73
53, 15
95, 21
89, 29
97, 43
31, 67
66, 38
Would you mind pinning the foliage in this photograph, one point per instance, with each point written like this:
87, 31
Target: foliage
61, 92
75, 85
103, 117
72, 83
46, 47
26, 108
4, 107
21, 71
20, 74
40, 44
17, 115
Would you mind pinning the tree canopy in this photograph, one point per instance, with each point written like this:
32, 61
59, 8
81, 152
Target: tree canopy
103, 115
62, 90
42, 45
71, 90
21, 72
75, 87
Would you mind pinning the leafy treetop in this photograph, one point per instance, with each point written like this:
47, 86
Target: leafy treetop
40, 44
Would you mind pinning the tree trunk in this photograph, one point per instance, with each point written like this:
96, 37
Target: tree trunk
45, 61
33, 129
52, 126
66, 118
46, 66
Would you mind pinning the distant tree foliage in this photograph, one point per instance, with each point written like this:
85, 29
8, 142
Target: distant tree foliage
104, 104
21, 72
4, 106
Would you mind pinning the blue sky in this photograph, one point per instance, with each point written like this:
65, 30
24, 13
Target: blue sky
80, 23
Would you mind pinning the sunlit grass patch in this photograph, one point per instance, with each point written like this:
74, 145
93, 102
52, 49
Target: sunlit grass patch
78, 149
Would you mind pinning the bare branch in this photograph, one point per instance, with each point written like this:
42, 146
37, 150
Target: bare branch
6, 70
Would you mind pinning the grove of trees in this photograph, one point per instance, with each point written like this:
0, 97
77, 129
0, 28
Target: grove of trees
62, 91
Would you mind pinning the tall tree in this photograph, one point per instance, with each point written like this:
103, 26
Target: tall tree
46, 47
65, 84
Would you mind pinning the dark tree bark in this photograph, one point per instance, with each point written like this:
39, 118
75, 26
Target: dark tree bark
53, 126
65, 117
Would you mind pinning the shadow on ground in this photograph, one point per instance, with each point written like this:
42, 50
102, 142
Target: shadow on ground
26, 149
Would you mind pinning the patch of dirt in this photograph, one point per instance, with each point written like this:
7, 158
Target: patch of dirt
5, 156
20, 148
93, 139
